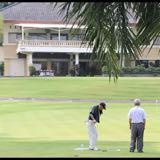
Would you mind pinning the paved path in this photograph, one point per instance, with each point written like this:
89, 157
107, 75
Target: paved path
73, 100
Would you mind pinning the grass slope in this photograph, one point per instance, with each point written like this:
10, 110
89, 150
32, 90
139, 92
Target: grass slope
146, 88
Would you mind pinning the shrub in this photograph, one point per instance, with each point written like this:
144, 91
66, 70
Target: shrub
94, 69
157, 70
140, 69
1, 68
104, 70
72, 71
32, 70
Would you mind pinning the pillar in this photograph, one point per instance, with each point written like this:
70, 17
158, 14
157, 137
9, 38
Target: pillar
71, 66
77, 64
58, 67
59, 34
29, 62
49, 65
76, 59
123, 62
22, 33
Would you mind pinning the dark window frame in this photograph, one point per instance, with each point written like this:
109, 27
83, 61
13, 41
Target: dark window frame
145, 62
56, 34
38, 37
80, 36
15, 40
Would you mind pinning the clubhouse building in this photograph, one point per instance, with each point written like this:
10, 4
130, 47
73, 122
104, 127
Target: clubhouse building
34, 34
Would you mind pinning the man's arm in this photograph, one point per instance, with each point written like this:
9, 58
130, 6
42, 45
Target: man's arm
130, 123
144, 121
92, 117
130, 120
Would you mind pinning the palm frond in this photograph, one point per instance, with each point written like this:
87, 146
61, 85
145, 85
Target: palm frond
108, 28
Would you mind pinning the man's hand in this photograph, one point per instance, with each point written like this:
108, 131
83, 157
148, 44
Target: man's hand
144, 127
94, 121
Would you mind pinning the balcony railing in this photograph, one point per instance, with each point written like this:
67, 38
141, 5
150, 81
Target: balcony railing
53, 46
54, 43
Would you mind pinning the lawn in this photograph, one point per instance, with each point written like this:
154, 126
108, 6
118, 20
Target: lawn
52, 129
146, 88
44, 129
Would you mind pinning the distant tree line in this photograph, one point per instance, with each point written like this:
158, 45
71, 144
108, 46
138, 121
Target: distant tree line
5, 4
2, 5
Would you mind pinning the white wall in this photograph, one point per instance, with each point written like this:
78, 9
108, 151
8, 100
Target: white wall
16, 67
1, 54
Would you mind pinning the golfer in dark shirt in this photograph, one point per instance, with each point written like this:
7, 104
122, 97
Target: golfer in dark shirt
94, 117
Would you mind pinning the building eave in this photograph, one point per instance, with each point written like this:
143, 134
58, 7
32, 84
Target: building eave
32, 21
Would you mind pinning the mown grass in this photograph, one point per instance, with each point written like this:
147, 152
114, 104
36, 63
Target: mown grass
126, 88
45, 129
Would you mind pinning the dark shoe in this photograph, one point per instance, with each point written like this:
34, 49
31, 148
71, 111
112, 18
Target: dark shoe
131, 150
91, 148
140, 151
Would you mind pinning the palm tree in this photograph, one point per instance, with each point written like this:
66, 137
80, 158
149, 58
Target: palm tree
115, 29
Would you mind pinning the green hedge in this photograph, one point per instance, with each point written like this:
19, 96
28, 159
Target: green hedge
140, 70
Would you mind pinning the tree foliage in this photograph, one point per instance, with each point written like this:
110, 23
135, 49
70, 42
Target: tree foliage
115, 29
5, 4
2, 5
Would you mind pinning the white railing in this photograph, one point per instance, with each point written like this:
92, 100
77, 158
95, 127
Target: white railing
56, 43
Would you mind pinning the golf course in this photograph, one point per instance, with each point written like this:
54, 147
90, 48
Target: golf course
57, 128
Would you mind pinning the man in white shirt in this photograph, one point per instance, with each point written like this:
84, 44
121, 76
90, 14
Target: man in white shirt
137, 122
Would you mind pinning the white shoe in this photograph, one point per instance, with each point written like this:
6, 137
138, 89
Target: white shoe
95, 149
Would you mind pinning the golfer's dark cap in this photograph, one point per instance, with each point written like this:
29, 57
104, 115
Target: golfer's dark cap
103, 104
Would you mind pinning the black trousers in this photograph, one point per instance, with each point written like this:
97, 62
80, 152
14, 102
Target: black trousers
137, 132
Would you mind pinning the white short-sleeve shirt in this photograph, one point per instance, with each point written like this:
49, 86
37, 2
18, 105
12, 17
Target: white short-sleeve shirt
137, 114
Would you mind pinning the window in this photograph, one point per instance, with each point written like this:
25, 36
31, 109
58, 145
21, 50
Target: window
37, 36
157, 63
77, 37
60, 68
144, 62
54, 36
14, 37
62, 36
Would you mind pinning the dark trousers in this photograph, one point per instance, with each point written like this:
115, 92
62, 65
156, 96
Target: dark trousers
137, 131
